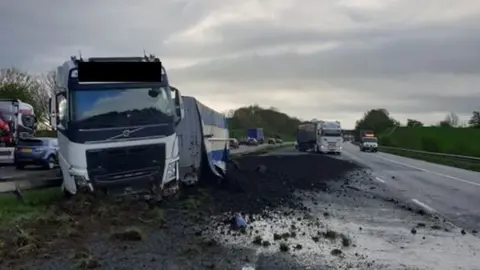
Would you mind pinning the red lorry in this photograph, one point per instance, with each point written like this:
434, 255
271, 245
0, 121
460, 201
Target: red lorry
17, 120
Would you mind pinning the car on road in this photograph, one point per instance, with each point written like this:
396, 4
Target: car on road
40, 151
234, 143
272, 141
278, 140
252, 142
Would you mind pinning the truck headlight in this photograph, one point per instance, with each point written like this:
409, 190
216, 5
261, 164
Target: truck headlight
172, 170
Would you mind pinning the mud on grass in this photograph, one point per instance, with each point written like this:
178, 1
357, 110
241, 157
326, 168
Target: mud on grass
69, 224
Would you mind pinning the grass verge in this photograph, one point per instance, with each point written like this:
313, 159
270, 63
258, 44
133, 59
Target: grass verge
449, 161
35, 204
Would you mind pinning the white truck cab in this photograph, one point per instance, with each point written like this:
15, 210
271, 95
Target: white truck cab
329, 137
369, 144
116, 135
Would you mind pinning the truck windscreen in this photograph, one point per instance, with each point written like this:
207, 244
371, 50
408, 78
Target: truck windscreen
370, 139
332, 133
6, 109
105, 108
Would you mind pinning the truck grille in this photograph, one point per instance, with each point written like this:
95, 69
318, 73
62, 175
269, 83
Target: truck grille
143, 163
332, 144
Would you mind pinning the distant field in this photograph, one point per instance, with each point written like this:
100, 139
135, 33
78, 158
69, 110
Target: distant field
460, 141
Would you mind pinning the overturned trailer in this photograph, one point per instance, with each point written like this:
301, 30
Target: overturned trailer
203, 143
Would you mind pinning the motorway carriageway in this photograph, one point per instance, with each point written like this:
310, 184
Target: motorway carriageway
447, 191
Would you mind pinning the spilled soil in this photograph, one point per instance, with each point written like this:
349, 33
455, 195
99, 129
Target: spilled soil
288, 203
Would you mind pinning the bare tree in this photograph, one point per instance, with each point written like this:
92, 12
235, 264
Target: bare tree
34, 90
42, 93
450, 120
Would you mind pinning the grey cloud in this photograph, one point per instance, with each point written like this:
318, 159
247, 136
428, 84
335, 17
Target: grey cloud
61, 28
452, 49
407, 68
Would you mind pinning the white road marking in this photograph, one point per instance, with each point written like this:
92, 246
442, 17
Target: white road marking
379, 180
426, 207
428, 171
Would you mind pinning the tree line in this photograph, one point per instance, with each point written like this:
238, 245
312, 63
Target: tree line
33, 89
380, 120
273, 122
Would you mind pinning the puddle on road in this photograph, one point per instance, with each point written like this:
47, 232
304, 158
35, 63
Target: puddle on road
385, 240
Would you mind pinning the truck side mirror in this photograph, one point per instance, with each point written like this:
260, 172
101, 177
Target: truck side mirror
179, 108
55, 109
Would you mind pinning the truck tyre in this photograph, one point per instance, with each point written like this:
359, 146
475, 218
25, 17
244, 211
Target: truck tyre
66, 193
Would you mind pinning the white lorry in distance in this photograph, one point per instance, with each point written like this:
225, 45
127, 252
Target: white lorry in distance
116, 135
329, 137
17, 121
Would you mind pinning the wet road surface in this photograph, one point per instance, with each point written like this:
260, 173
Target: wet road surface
448, 191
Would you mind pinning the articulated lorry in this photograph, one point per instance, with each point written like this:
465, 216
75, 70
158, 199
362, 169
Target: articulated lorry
306, 136
368, 141
133, 134
116, 120
17, 121
329, 137
257, 134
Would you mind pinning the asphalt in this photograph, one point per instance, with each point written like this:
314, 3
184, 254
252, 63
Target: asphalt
447, 191
8, 171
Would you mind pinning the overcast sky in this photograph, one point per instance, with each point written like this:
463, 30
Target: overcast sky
324, 59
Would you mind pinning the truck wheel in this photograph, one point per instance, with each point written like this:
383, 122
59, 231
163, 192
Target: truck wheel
66, 193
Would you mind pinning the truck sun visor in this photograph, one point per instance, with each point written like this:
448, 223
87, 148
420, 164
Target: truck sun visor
119, 72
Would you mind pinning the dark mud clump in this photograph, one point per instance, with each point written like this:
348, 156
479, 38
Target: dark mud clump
250, 189
127, 231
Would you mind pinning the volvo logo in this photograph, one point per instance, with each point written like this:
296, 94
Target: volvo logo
126, 133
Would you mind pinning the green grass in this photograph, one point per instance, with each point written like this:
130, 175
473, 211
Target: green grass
35, 205
460, 141
453, 162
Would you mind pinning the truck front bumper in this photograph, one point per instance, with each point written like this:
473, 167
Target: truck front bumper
143, 178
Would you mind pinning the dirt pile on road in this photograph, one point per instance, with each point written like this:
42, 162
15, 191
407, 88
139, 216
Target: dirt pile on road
257, 182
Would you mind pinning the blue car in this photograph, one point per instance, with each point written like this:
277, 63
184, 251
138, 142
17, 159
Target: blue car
40, 151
